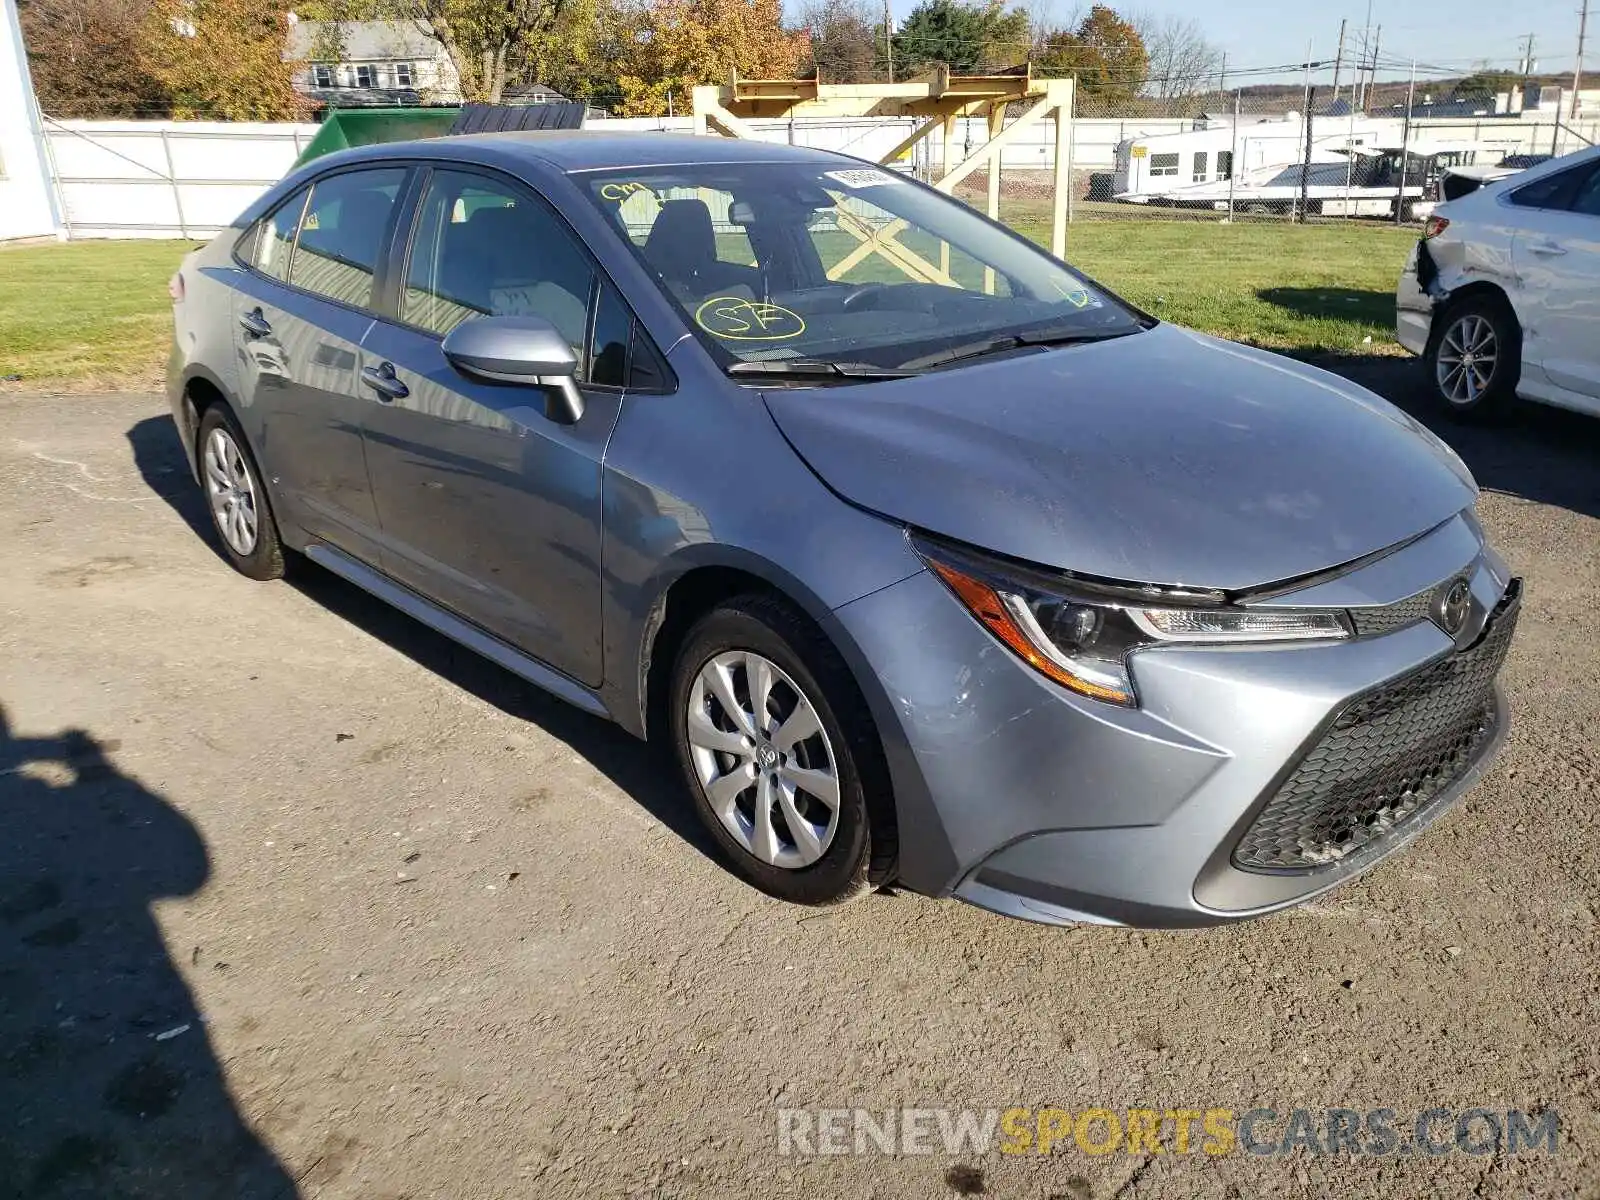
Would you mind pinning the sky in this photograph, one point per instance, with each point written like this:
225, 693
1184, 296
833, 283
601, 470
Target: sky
1452, 35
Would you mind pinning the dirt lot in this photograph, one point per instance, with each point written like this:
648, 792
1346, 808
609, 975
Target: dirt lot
295, 897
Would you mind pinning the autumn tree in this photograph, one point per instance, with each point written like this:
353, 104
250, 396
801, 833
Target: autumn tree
965, 37
1106, 54
488, 42
222, 59
1486, 85
846, 41
1183, 62
670, 47
84, 58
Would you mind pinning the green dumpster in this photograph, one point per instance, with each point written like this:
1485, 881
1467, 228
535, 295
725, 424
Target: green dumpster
347, 127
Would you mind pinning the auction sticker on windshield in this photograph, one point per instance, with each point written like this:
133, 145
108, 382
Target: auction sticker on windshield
861, 177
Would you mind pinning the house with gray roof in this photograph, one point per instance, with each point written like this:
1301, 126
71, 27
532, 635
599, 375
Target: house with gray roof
357, 64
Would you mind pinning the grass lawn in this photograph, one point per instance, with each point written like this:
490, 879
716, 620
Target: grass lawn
87, 315
93, 315
1306, 289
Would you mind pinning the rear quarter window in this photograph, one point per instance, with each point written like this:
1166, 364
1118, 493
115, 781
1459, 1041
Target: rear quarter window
1553, 191
271, 246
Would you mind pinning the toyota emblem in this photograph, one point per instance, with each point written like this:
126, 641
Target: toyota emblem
1455, 605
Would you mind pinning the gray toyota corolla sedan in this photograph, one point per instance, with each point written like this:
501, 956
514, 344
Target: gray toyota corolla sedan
935, 562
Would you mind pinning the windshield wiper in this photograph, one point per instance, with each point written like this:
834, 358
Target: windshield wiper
1055, 336
789, 368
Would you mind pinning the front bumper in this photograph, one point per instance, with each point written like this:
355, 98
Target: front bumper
1020, 797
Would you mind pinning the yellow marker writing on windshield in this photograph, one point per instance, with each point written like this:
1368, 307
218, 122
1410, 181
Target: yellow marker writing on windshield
621, 191
740, 320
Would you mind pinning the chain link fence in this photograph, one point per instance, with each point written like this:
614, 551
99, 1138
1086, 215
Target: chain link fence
1238, 165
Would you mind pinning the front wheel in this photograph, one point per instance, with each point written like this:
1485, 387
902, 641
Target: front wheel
1475, 359
779, 752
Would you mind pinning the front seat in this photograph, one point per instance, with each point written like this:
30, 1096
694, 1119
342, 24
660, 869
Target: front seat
682, 248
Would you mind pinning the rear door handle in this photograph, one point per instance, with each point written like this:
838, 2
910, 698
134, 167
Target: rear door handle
381, 379
1546, 248
255, 324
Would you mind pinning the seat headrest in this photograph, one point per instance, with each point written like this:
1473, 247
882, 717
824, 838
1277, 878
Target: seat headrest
682, 242
492, 223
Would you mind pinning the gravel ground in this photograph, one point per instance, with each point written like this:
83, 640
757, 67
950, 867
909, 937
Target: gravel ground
296, 897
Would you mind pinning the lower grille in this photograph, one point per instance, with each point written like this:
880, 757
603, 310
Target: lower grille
1384, 757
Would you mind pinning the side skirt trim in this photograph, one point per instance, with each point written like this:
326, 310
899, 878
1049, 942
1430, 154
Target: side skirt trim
457, 630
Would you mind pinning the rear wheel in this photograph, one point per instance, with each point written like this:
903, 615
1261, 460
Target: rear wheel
1475, 358
779, 752
238, 504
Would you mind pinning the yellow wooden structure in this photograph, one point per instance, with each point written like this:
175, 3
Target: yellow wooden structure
938, 102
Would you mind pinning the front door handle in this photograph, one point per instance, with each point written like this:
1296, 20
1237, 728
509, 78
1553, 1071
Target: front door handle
255, 323
1549, 249
381, 379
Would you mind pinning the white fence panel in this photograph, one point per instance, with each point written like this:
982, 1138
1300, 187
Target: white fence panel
159, 179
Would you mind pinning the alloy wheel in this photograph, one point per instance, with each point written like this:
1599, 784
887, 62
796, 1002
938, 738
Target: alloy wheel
763, 759
232, 492
1466, 359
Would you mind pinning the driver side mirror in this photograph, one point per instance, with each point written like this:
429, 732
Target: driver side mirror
519, 350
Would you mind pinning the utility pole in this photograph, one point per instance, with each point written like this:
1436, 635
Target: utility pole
1405, 149
1577, 70
888, 40
1338, 62
1305, 169
1366, 39
1372, 65
1305, 109
1233, 157
1222, 80
1527, 64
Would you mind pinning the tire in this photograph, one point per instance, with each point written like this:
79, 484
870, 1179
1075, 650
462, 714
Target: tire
809, 853
240, 512
1465, 335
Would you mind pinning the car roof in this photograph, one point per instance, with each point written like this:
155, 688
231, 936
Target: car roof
1491, 191
569, 150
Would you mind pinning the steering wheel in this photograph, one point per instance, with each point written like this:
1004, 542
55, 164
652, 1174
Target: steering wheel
859, 293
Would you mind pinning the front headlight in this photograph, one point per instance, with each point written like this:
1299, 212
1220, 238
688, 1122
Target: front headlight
1082, 634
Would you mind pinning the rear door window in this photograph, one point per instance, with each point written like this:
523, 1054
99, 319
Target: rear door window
342, 234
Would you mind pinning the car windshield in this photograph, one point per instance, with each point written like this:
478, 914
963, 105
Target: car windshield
812, 263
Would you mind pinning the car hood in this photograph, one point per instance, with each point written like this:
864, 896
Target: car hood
1164, 457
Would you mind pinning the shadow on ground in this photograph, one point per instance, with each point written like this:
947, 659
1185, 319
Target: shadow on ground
1343, 304
642, 771
108, 1084
1540, 453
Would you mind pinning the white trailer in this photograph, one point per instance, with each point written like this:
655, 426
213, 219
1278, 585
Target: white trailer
1363, 181
1148, 169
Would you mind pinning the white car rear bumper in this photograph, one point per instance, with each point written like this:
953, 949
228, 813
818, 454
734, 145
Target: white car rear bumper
1413, 309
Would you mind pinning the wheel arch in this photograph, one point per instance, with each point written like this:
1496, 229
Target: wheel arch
691, 584
1477, 289
199, 390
